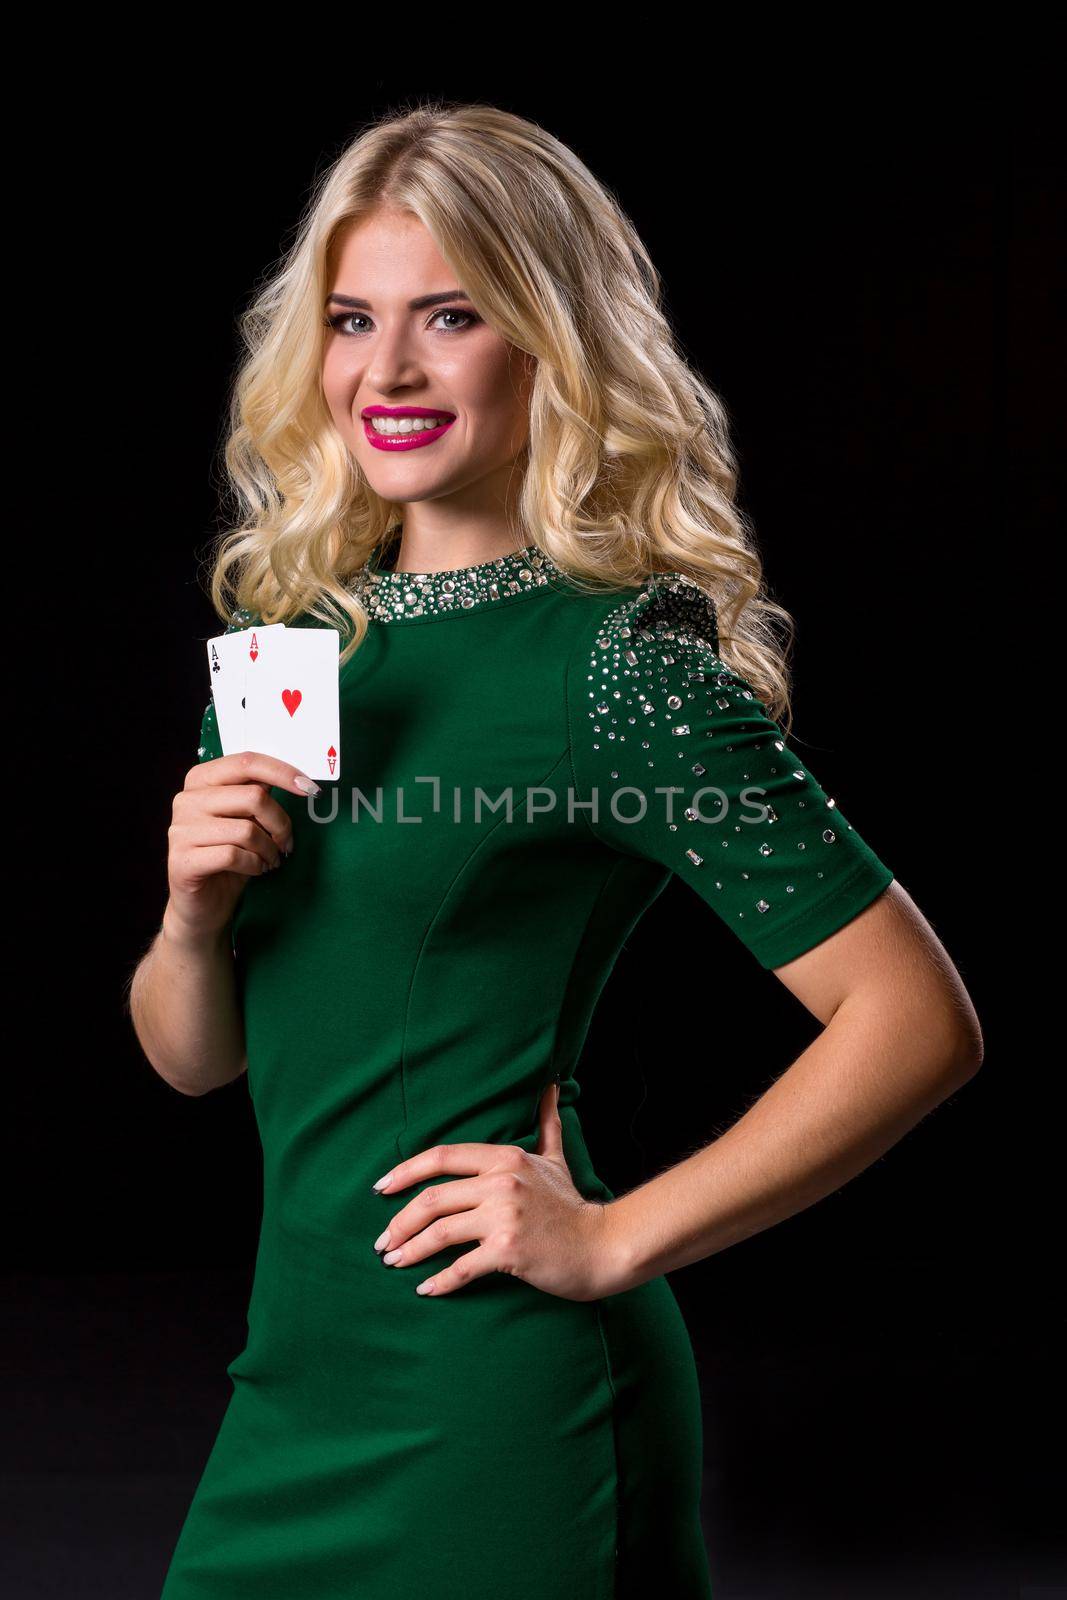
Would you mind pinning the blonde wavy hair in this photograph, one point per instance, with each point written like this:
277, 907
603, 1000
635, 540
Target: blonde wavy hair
629, 469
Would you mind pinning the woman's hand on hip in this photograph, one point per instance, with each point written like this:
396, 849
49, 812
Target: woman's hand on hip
520, 1206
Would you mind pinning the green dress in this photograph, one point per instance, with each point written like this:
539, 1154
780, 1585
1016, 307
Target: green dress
420, 969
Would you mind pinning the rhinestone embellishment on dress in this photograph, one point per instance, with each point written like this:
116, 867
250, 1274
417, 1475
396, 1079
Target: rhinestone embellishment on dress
660, 643
397, 596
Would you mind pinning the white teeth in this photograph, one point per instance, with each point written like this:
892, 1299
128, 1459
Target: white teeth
405, 424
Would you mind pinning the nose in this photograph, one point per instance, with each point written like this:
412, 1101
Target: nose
393, 364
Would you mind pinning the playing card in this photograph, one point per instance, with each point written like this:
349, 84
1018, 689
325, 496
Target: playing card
230, 658
292, 701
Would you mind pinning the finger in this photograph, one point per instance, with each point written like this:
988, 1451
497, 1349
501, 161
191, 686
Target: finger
445, 1158
246, 766
237, 800
227, 858
472, 1264
550, 1128
460, 1229
243, 832
459, 1194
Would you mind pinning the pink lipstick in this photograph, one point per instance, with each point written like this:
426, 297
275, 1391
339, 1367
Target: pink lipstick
409, 439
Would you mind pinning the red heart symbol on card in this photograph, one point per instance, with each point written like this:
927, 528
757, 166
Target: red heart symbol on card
291, 698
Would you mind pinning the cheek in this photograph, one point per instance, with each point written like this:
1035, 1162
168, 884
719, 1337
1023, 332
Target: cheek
337, 384
498, 406
487, 379
495, 432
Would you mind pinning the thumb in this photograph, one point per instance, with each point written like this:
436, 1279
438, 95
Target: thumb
550, 1129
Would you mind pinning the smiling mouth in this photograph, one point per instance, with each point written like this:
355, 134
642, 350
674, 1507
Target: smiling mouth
404, 429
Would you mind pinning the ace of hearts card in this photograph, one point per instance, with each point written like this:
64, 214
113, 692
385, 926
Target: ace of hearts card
292, 700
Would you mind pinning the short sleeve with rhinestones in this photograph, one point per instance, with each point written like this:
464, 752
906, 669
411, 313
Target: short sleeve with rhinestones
686, 769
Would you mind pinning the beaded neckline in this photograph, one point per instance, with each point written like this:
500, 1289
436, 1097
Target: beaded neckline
389, 596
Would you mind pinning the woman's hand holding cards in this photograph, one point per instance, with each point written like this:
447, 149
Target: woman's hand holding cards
226, 827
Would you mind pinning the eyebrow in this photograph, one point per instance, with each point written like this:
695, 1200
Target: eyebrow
413, 305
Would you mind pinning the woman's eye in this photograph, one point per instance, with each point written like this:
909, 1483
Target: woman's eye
340, 317
470, 316
338, 320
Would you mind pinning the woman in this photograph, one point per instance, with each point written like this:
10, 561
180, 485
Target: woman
465, 439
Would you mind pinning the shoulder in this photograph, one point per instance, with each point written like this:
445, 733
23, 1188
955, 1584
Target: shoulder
641, 651
669, 609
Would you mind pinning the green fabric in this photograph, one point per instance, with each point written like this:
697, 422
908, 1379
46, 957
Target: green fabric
407, 983
703, 781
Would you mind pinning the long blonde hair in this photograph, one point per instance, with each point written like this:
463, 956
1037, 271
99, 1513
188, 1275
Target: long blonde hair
629, 468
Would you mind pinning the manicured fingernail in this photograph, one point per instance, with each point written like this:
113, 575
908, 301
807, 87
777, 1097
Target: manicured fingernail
425, 1287
382, 1240
306, 785
391, 1257
383, 1182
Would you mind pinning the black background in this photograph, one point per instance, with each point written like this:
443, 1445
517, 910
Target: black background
865, 276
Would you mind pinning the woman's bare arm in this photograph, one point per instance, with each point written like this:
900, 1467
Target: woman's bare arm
900, 1036
183, 1005
226, 827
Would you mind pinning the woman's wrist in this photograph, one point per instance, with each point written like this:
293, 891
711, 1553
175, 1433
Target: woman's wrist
179, 936
619, 1265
